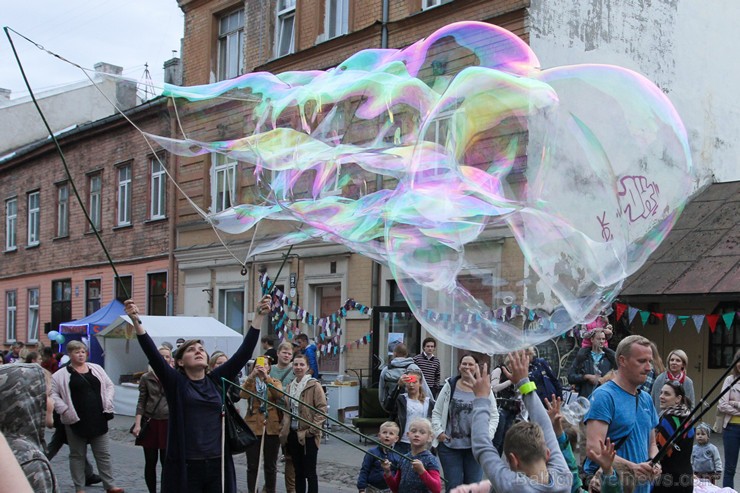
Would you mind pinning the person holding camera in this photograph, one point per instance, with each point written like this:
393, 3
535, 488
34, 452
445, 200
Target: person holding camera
414, 403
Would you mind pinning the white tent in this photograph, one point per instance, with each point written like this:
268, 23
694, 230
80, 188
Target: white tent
124, 357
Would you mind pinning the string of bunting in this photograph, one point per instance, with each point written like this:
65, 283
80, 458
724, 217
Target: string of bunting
712, 319
328, 340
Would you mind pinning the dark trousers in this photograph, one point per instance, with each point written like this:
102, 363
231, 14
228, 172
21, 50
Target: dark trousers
270, 452
204, 475
150, 467
304, 463
731, 442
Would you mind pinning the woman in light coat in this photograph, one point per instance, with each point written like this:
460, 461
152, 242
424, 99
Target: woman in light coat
83, 398
303, 439
451, 421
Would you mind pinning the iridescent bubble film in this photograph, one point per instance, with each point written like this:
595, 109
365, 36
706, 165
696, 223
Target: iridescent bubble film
442, 161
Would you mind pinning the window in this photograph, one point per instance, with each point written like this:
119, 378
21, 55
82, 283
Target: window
284, 39
63, 210
124, 195
10, 308
11, 223
158, 195
61, 302
123, 292
157, 295
337, 15
439, 129
724, 342
231, 45
33, 315
428, 4
92, 296
94, 205
34, 218
223, 183
231, 308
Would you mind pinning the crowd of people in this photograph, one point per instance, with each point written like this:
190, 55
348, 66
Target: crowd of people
475, 431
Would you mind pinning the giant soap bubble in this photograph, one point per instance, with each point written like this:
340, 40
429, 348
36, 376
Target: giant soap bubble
443, 159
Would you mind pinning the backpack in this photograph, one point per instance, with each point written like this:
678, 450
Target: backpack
540, 374
392, 388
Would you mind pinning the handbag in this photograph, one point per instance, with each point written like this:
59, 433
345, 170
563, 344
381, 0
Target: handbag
142, 431
239, 436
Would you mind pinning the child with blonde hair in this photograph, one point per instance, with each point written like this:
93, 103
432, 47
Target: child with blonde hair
421, 474
371, 478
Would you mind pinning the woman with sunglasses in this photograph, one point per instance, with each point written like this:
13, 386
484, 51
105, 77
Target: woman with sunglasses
194, 451
677, 475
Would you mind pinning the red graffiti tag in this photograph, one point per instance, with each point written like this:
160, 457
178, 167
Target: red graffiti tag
641, 197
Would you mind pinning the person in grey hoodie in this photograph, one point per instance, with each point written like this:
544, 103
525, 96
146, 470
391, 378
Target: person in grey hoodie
537, 464
390, 376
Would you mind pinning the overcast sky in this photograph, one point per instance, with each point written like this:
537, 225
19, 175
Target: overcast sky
127, 33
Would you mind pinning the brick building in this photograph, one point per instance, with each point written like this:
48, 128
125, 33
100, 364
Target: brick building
224, 39
53, 268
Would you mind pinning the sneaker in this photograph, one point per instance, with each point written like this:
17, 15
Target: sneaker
93, 479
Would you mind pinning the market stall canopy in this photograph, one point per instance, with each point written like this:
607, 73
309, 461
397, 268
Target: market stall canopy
90, 326
124, 358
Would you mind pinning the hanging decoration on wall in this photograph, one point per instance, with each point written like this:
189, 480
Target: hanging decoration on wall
712, 319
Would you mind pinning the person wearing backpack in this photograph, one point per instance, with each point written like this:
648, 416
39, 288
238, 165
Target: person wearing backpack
389, 387
543, 377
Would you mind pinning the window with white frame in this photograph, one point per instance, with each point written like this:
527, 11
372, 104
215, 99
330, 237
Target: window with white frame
33, 315
231, 45
11, 223
231, 308
428, 4
10, 318
158, 195
285, 25
439, 129
124, 195
34, 218
223, 182
63, 209
337, 18
94, 206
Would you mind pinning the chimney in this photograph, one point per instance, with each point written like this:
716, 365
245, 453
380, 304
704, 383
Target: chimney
173, 71
108, 68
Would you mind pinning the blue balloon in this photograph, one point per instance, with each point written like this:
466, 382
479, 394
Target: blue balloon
53, 334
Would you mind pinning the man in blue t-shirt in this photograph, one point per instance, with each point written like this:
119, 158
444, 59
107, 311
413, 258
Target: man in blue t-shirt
626, 415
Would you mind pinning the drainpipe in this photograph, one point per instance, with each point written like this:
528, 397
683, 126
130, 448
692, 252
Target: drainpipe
384, 24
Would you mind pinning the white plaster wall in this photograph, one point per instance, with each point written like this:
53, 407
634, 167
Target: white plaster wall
20, 123
687, 47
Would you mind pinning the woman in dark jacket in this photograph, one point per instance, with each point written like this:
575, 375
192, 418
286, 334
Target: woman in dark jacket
676, 474
194, 453
152, 408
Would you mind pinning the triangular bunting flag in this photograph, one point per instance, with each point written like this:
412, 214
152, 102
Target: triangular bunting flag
659, 316
728, 319
698, 321
644, 317
621, 307
670, 320
712, 321
632, 311
683, 319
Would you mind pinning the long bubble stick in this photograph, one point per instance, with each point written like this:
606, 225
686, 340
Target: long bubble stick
687, 422
334, 420
268, 289
281, 408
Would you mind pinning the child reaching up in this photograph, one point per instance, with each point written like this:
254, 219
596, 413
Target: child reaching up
421, 474
371, 478
535, 462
